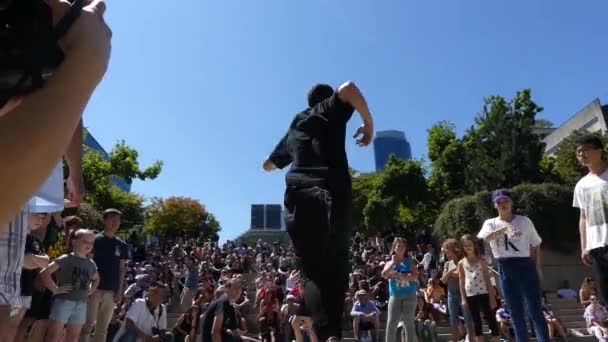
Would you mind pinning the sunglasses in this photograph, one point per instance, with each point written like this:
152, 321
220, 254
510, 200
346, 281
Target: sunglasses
593, 299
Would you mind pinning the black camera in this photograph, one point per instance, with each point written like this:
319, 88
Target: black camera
29, 45
155, 331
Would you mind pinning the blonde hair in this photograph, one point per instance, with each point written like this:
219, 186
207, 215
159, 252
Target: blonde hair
82, 232
455, 246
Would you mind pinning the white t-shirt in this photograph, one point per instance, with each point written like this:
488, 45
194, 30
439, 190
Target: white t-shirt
143, 319
49, 198
591, 196
505, 246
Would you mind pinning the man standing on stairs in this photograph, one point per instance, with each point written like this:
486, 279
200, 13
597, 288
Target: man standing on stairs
110, 254
318, 198
591, 197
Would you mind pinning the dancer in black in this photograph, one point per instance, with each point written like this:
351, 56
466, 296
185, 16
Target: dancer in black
318, 198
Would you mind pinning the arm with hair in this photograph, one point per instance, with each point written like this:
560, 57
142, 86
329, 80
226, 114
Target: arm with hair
582, 228
59, 105
461, 283
350, 93
73, 158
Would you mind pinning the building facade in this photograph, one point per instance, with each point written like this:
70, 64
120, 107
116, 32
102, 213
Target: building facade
592, 118
390, 142
267, 217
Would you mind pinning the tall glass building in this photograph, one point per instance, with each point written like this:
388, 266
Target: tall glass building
266, 217
390, 142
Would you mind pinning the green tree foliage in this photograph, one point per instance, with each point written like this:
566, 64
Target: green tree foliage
102, 193
179, 216
549, 206
124, 164
391, 198
502, 148
448, 162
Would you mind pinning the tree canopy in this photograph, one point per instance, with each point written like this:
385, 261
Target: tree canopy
179, 216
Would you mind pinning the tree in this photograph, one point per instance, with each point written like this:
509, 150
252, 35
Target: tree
124, 164
391, 198
179, 216
102, 193
567, 166
364, 186
502, 149
448, 162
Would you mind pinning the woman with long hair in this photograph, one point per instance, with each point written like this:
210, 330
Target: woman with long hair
587, 290
453, 252
402, 277
479, 294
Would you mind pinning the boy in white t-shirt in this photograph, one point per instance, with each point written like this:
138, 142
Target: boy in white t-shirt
516, 246
591, 197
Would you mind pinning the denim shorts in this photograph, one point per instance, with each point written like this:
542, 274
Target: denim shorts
68, 311
456, 310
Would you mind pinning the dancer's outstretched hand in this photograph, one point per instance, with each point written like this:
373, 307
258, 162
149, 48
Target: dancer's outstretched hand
268, 165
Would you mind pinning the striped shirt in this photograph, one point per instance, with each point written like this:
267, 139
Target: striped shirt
12, 246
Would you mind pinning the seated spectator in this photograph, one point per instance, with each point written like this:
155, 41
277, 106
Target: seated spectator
435, 295
365, 314
219, 322
595, 315
288, 312
269, 316
565, 292
587, 290
554, 324
147, 318
425, 323
185, 327
505, 322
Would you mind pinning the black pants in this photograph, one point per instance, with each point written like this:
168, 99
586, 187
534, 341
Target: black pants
600, 266
481, 304
318, 221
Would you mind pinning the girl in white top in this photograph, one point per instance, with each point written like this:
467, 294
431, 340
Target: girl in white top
479, 295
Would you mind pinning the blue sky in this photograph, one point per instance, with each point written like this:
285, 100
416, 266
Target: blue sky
210, 86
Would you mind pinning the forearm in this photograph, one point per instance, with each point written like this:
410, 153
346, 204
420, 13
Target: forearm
582, 228
41, 261
52, 112
216, 337
48, 281
29, 263
73, 153
536, 256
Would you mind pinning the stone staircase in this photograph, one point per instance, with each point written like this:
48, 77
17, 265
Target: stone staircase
570, 312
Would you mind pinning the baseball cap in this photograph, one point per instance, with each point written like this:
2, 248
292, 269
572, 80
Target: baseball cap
361, 293
501, 194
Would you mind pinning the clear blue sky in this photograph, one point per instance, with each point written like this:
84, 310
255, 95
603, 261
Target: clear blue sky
210, 86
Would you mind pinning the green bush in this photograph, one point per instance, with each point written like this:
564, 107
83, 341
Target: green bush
548, 205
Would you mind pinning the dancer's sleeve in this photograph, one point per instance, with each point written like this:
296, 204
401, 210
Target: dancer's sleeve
281, 155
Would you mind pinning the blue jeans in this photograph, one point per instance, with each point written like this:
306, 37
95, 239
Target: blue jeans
519, 282
455, 310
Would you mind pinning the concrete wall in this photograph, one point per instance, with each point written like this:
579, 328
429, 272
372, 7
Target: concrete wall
590, 118
559, 267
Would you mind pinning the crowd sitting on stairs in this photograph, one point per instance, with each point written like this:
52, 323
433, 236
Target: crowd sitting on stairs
205, 280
